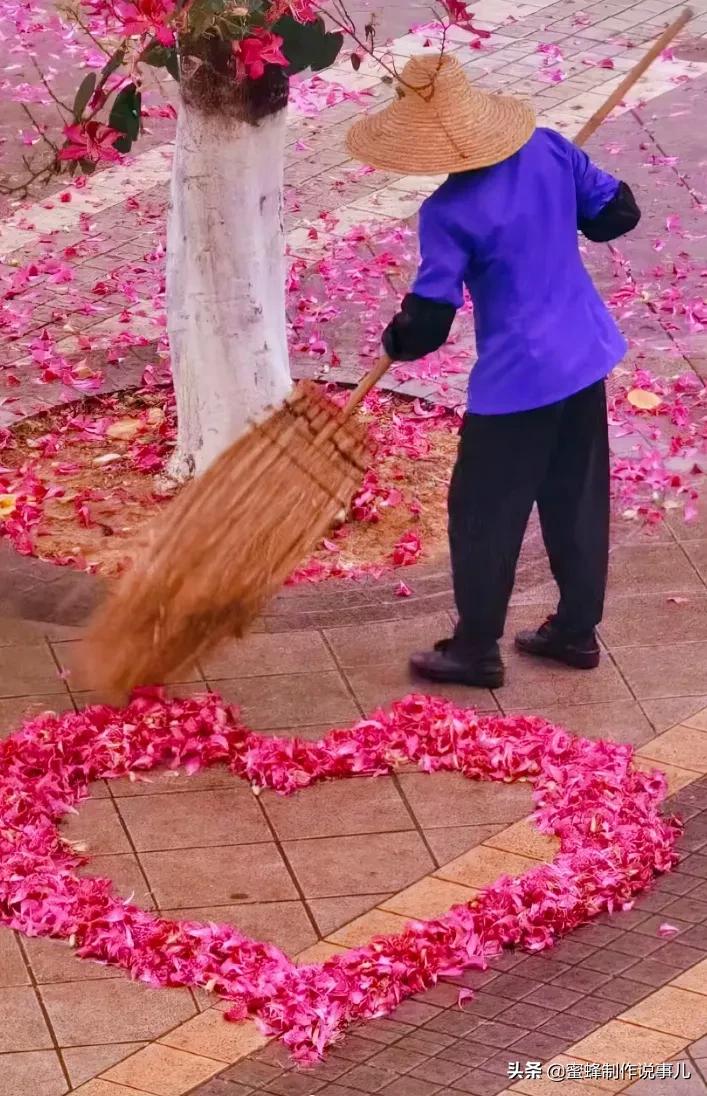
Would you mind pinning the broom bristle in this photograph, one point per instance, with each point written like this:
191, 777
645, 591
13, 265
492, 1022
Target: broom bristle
227, 543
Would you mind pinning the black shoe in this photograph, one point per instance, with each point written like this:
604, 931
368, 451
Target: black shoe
452, 664
581, 652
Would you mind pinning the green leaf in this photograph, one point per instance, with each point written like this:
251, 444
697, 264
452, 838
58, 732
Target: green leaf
308, 45
125, 116
328, 51
86, 90
87, 166
160, 56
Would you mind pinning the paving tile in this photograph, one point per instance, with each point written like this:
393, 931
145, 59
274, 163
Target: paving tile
666, 712
97, 826
451, 841
56, 961
194, 819
37, 1073
212, 1036
126, 875
695, 1086
698, 720
359, 805
654, 973
676, 777
13, 971
363, 929
121, 1011
377, 686
386, 642
444, 994
319, 953
83, 1063
265, 653
398, 1061
694, 979
438, 798
27, 670
617, 720
162, 1070
624, 990
366, 1078
594, 1008
532, 683
673, 1010
439, 1071
427, 898
22, 1025
294, 1084
643, 619
251, 1074
290, 700
484, 865
486, 1005
222, 875
681, 746
418, 1013
649, 568
15, 710
619, 1042
525, 839
331, 913
284, 924
358, 865
608, 962
678, 669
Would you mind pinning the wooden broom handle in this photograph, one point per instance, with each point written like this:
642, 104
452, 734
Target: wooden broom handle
364, 386
635, 74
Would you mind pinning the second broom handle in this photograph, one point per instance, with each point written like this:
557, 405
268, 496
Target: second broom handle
635, 74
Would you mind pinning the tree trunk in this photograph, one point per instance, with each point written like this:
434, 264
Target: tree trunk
225, 276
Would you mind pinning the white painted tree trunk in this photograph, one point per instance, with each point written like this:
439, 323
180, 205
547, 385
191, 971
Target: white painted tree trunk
225, 281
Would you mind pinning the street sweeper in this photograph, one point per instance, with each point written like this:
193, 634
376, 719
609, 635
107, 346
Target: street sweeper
503, 227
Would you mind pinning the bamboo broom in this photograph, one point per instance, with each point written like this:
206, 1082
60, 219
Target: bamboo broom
232, 537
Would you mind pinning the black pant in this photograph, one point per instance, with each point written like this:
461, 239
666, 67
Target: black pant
557, 456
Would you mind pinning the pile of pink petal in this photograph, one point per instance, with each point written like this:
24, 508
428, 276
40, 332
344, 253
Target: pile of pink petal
605, 814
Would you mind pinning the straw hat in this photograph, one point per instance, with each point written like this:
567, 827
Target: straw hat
440, 123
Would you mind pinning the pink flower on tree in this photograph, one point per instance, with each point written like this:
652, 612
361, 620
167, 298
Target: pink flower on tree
147, 17
90, 141
304, 11
257, 51
459, 14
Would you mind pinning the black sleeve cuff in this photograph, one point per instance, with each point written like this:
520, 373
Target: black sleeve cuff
420, 328
617, 218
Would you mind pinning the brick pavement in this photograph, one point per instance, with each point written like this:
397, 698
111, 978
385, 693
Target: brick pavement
327, 656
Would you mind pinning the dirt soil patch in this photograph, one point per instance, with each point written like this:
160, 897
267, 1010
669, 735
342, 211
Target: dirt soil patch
78, 483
